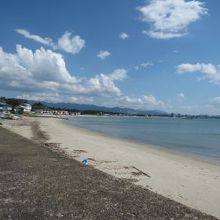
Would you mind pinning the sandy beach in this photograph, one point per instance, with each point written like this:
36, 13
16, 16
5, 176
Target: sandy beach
191, 182
40, 183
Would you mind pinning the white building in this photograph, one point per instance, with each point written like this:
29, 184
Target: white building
26, 107
5, 107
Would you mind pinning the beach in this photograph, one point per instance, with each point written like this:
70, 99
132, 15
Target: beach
194, 183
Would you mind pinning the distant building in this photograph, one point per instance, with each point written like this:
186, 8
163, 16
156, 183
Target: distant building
58, 112
26, 107
5, 107
76, 113
39, 108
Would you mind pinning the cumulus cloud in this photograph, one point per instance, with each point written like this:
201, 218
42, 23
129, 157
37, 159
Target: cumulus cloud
198, 67
41, 65
71, 44
118, 74
105, 83
103, 54
67, 42
151, 100
209, 71
170, 18
123, 36
45, 70
102, 83
42, 75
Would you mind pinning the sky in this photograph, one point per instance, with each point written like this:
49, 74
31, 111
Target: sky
153, 54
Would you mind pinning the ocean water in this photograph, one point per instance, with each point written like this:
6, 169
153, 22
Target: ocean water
196, 137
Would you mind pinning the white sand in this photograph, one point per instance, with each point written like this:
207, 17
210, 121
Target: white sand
191, 182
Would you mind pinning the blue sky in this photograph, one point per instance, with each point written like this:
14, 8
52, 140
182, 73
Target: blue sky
155, 54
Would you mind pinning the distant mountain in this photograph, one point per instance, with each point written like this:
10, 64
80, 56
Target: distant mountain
85, 107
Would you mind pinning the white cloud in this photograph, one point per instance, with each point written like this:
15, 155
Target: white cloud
147, 64
45, 70
146, 101
209, 70
162, 35
170, 18
67, 42
71, 44
46, 41
30, 70
181, 95
51, 97
198, 67
56, 97
103, 84
215, 101
42, 75
123, 36
151, 100
126, 100
103, 54
143, 65
118, 74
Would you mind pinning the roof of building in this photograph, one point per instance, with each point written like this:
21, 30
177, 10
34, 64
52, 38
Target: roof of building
2, 104
38, 106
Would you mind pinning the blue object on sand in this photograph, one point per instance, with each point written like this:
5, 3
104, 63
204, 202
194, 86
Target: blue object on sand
85, 162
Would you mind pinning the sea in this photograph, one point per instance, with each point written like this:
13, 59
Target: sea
194, 137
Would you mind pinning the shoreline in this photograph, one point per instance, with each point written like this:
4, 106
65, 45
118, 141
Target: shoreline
190, 182
150, 146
